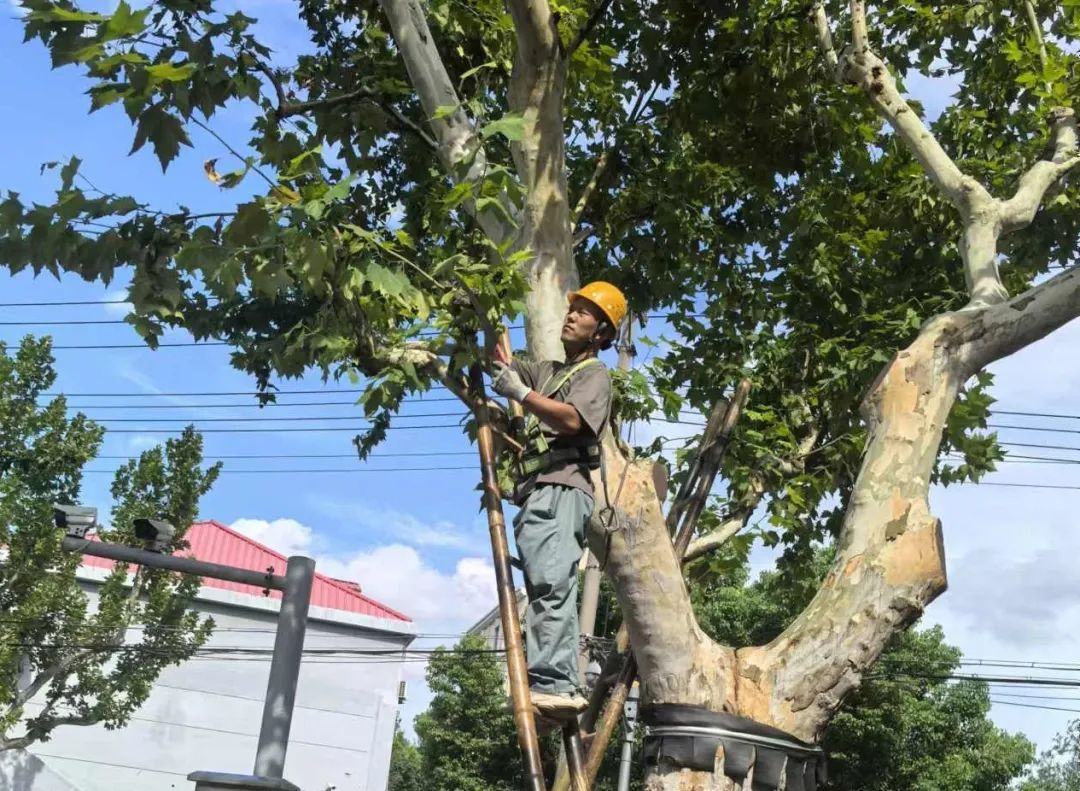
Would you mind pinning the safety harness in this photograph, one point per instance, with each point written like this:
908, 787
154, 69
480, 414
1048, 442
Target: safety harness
540, 453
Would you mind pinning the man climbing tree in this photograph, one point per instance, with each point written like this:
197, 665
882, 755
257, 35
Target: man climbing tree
751, 169
569, 404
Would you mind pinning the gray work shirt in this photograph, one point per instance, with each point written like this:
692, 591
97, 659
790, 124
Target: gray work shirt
589, 392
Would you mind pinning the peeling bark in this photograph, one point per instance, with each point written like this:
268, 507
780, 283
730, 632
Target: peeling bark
459, 145
677, 661
537, 87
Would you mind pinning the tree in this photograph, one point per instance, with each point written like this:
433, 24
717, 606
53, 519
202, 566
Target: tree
61, 663
1058, 769
406, 765
466, 737
905, 729
805, 225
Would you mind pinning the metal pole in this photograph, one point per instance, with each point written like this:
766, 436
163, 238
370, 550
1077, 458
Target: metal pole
504, 581
158, 560
626, 759
574, 756
285, 668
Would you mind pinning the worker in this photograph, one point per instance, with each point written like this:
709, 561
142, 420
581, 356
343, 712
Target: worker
568, 405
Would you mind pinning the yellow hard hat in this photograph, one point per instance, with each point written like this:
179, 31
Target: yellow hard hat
606, 297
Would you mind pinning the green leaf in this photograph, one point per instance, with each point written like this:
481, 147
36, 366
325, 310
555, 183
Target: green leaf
340, 191
476, 69
165, 132
170, 72
55, 13
386, 281
124, 22
250, 222
511, 126
444, 111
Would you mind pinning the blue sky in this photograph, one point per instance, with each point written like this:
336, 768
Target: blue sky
416, 539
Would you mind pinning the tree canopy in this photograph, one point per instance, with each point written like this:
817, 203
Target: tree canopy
61, 661
752, 169
719, 176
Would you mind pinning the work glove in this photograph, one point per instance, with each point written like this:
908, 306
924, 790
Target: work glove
507, 382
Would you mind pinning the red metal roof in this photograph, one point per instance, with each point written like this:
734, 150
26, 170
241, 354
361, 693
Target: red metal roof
215, 543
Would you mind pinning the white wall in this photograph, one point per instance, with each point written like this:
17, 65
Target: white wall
205, 714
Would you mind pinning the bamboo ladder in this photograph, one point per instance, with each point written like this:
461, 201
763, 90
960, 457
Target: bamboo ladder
524, 719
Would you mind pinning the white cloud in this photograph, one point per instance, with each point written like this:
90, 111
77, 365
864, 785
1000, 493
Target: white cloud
286, 536
114, 308
141, 442
394, 574
404, 528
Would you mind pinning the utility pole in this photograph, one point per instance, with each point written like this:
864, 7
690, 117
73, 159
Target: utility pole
295, 587
626, 759
590, 588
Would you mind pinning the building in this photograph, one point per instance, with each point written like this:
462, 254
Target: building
490, 628
205, 713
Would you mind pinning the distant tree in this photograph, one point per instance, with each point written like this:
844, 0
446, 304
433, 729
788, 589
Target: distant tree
466, 737
1058, 769
60, 663
406, 764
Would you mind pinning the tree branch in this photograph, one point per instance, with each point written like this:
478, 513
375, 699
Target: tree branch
824, 34
458, 142
537, 31
862, 67
1003, 329
28, 738
979, 210
233, 151
605, 157
860, 41
285, 109
710, 542
1036, 30
590, 187
587, 28
1019, 210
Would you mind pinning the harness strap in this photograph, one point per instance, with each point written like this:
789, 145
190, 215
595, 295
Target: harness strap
539, 452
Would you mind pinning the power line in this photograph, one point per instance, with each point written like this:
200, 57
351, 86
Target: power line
59, 323
289, 419
98, 346
203, 393
107, 763
350, 470
62, 303
225, 457
1035, 414
1031, 706
252, 406
1036, 428
1028, 485
272, 430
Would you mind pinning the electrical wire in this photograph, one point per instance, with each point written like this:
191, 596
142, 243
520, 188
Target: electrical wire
289, 419
341, 470
272, 430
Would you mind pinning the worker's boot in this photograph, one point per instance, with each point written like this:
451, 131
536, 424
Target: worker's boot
553, 707
558, 707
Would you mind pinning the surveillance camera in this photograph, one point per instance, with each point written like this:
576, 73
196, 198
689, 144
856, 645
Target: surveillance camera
157, 533
75, 520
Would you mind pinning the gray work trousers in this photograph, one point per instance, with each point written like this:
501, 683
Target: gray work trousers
550, 534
